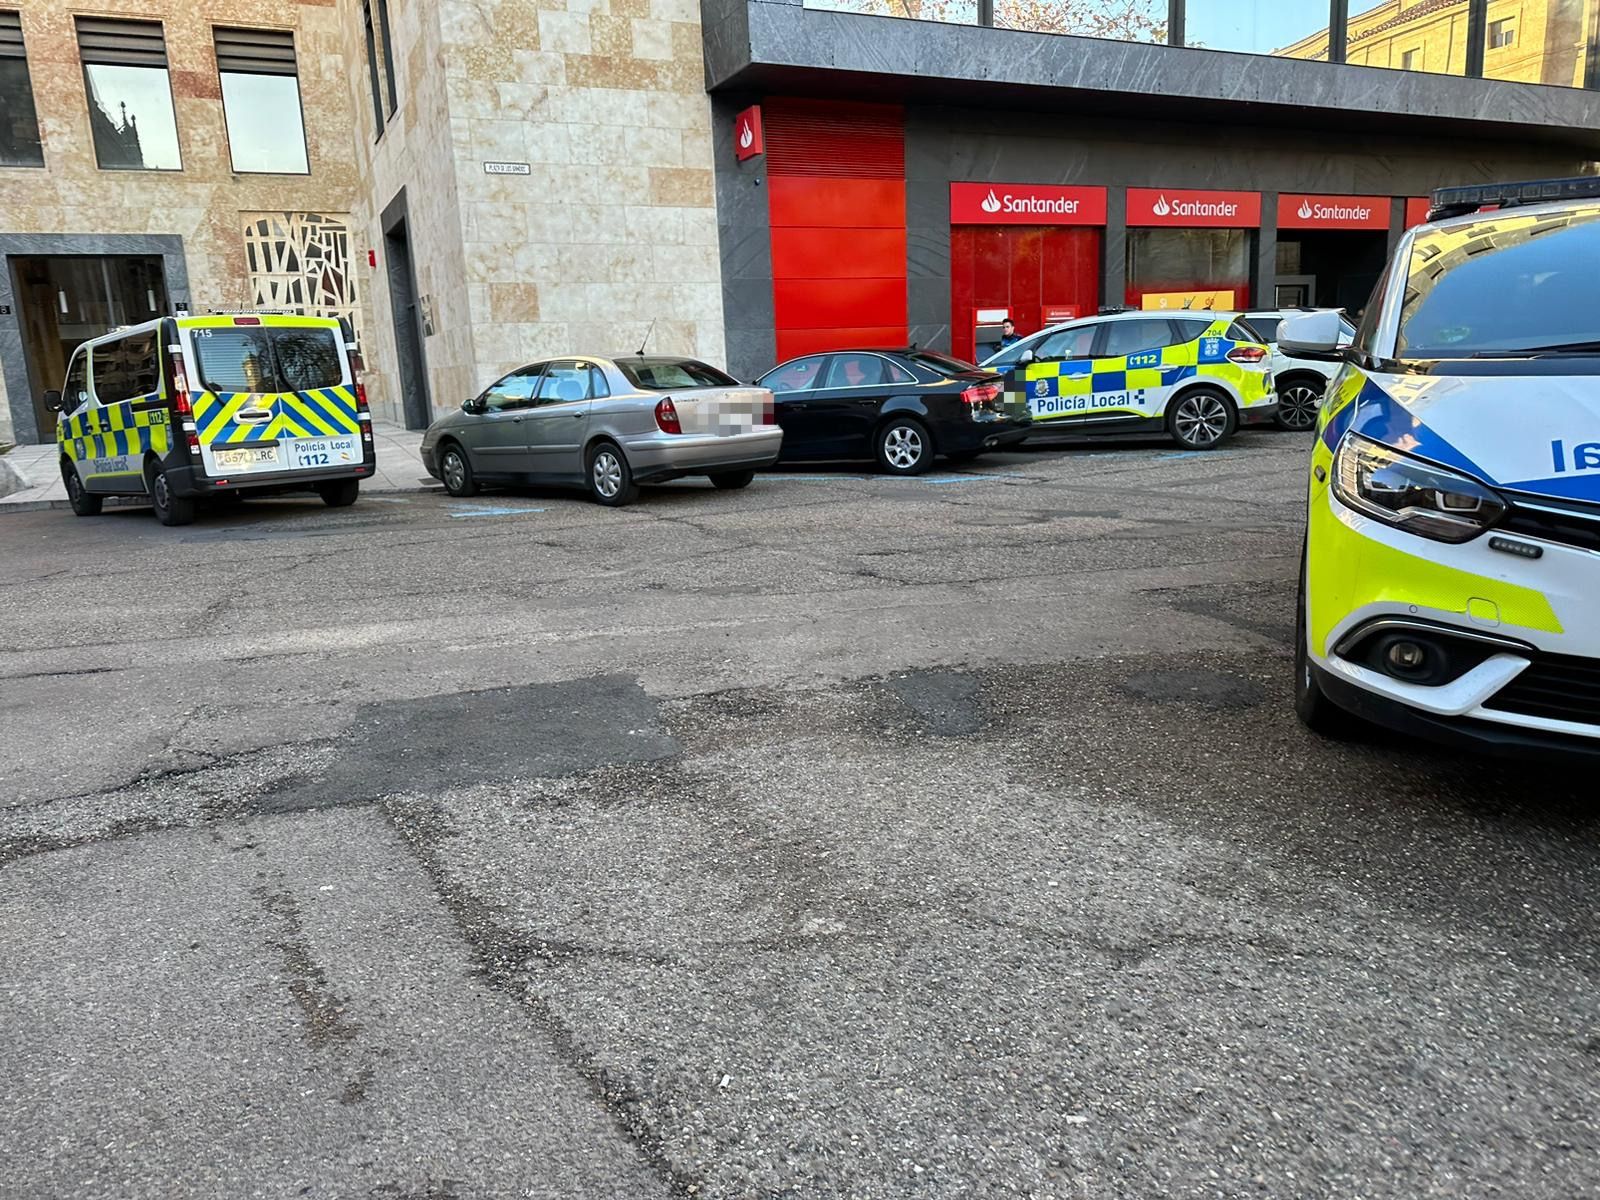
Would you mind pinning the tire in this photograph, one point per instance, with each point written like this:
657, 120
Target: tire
1299, 402
170, 509
1311, 704
904, 446
340, 493
84, 503
732, 481
455, 470
610, 478
1201, 419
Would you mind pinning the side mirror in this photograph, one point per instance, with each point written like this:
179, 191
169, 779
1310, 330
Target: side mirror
1025, 358
470, 404
1315, 336
52, 400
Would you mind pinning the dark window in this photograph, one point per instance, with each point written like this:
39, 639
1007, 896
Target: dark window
1188, 328
673, 374
244, 359
563, 383
797, 376
1411, 60
261, 101
126, 368
1077, 342
380, 60
863, 370
75, 394
1245, 331
1502, 33
943, 364
1130, 337
516, 390
130, 95
1267, 327
19, 123
1509, 283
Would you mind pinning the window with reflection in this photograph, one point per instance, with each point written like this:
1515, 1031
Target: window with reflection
1115, 20
1537, 41
958, 12
1286, 28
19, 123
130, 95
261, 101
1409, 35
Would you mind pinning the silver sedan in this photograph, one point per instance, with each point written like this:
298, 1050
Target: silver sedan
607, 425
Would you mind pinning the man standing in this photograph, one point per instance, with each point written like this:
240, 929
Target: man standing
1008, 333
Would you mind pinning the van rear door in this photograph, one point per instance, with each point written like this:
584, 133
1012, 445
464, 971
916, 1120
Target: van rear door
272, 395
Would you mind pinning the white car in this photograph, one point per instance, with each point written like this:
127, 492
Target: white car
1301, 383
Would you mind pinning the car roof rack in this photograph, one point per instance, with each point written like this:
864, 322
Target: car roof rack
1458, 201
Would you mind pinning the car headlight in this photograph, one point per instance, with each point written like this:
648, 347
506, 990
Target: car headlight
1412, 495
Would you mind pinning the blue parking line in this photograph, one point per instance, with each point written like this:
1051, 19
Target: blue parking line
484, 511
969, 478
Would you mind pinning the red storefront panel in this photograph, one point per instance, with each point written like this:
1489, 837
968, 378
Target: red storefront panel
1417, 210
1299, 210
837, 206
1194, 209
1024, 269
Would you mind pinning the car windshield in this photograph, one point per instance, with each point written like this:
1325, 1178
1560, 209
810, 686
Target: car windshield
256, 358
944, 364
1505, 284
673, 374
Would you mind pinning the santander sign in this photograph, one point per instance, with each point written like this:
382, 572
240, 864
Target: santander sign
1302, 211
1026, 204
1194, 208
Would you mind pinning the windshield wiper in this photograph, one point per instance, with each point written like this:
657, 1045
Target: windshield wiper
1539, 351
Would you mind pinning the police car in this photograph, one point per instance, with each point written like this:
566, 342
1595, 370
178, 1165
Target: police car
1451, 578
1197, 376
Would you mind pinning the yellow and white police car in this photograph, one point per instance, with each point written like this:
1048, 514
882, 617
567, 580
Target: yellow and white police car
1451, 578
181, 409
1196, 376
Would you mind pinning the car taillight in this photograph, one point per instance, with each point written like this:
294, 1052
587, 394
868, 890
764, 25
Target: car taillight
981, 393
667, 416
1247, 354
180, 381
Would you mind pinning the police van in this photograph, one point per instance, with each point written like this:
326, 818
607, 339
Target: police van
1197, 376
184, 409
1450, 585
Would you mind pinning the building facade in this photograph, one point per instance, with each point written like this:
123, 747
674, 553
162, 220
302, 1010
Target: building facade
478, 183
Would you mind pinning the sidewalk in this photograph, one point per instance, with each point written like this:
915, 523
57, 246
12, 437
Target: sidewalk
399, 470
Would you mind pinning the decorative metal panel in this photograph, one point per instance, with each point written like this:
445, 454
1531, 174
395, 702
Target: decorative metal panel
300, 262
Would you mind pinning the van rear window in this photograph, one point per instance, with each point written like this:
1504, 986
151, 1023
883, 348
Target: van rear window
267, 359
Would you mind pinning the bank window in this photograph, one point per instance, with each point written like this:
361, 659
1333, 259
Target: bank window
261, 101
130, 95
380, 60
1189, 268
1282, 28
1502, 33
19, 122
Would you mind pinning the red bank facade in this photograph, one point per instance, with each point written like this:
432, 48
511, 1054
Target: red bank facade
909, 212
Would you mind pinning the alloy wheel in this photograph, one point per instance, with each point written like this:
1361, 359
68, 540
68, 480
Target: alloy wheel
455, 472
902, 446
1298, 406
607, 474
1201, 420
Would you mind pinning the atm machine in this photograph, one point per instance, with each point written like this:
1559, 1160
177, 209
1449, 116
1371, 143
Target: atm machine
986, 331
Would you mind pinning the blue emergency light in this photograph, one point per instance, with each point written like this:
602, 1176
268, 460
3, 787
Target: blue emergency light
1456, 201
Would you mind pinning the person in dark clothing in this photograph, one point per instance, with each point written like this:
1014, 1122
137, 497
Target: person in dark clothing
1008, 333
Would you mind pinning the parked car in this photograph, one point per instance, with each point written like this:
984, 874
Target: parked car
1301, 382
902, 407
1193, 375
607, 425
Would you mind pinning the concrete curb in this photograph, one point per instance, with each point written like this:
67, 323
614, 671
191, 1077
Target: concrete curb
21, 506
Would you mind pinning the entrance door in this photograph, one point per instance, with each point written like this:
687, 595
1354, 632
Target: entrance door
64, 300
1343, 265
1029, 270
408, 331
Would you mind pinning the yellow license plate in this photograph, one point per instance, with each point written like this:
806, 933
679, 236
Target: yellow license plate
251, 456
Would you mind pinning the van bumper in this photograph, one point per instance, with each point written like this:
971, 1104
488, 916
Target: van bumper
190, 481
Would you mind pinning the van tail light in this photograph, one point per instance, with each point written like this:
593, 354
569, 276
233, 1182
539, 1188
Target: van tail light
981, 394
1247, 354
180, 381
667, 416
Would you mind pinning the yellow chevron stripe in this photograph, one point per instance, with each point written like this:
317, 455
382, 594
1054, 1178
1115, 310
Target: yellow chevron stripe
302, 411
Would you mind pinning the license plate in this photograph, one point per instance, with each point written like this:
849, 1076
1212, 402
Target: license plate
249, 456
323, 452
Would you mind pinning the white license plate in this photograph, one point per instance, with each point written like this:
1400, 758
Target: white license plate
322, 452
249, 456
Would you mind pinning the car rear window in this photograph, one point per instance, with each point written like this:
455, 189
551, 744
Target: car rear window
673, 374
1242, 331
944, 364
267, 359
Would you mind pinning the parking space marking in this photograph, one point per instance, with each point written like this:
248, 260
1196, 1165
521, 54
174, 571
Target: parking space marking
970, 478
479, 510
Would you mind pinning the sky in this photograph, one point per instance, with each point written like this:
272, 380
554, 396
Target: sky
1260, 26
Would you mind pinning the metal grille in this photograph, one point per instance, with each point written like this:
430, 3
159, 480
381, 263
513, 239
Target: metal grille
1557, 687
121, 43
812, 138
1570, 526
11, 35
255, 51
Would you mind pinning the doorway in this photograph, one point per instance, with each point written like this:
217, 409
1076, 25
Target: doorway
63, 300
1332, 268
416, 406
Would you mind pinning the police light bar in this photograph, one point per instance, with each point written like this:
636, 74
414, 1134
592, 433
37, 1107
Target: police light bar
1455, 201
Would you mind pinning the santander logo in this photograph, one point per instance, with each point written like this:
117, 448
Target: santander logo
746, 135
1161, 208
990, 203
1304, 211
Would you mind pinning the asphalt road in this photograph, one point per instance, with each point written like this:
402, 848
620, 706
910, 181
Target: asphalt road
844, 837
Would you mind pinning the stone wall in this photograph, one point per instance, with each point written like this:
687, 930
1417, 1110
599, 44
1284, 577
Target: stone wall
205, 203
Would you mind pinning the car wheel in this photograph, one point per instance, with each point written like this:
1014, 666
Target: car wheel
84, 503
340, 493
1298, 404
455, 469
170, 509
1201, 419
904, 447
732, 481
1311, 704
610, 478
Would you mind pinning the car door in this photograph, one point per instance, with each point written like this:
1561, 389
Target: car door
792, 385
855, 387
497, 437
1058, 380
559, 419
1128, 380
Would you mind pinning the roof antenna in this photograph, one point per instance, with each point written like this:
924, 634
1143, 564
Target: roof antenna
647, 334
